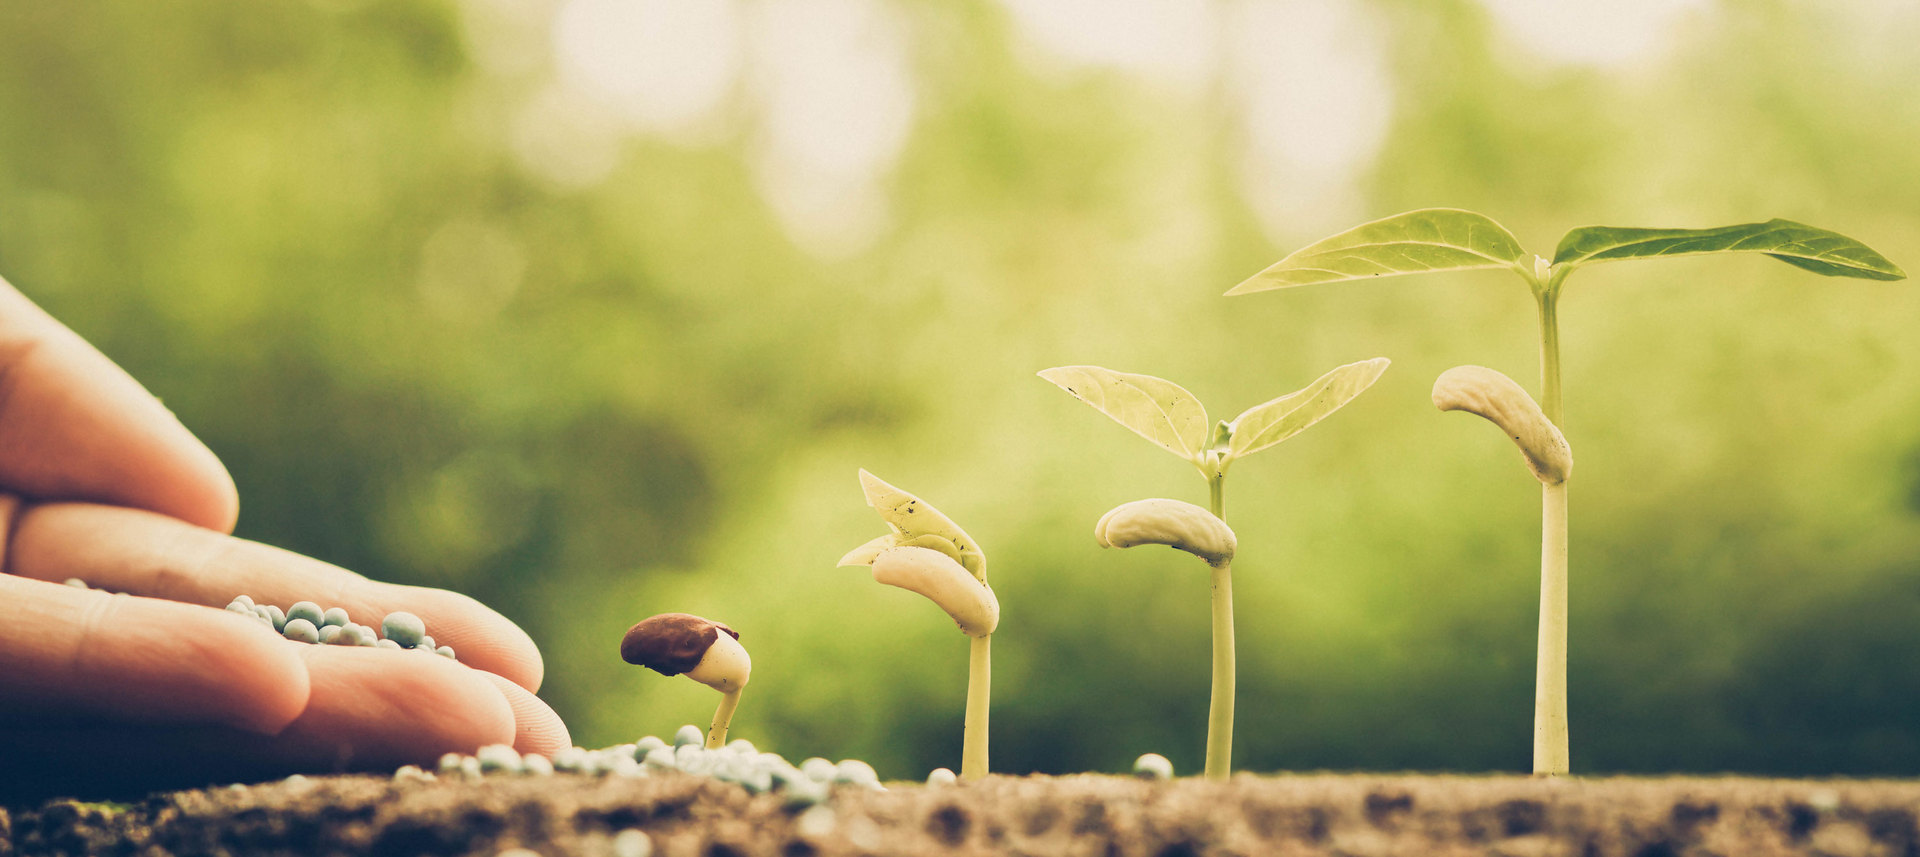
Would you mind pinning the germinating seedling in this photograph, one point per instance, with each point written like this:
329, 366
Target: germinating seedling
928, 553
707, 651
1448, 239
1165, 413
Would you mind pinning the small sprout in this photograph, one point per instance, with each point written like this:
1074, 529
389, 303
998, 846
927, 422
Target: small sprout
335, 616
1153, 766
307, 610
928, 553
708, 652
1494, 396
941, 777
403, 629
301, 631
1174, 523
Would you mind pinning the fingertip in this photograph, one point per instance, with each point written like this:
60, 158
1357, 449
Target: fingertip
269, 666
537, 728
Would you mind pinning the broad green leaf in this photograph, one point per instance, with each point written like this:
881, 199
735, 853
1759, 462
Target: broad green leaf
1154, 408
913, 520
1264, 425
1431, 239
1827, 253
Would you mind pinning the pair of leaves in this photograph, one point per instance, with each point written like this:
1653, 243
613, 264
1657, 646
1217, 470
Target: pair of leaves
1165, 413
1449, 239
913, 522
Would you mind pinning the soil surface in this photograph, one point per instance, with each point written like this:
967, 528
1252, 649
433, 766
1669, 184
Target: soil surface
690, 816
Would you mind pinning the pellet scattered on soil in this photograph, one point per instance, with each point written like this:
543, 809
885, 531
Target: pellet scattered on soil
693, 816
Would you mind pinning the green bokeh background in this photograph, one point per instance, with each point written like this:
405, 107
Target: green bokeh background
303, 226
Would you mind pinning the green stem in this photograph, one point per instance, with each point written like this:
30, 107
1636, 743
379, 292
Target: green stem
1550, 667
1550, 755
717, 733
1220, 712
973, 746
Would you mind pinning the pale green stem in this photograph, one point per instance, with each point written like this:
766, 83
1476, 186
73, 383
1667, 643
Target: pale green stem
1550, 755
1220, 713
717, 733
973, 745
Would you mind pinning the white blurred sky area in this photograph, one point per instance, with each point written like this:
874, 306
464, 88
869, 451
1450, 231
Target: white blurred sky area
823, 93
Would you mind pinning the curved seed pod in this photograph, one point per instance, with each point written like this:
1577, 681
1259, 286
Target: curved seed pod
674, 643
1173, 523
1490, 394
911, 517
943, 581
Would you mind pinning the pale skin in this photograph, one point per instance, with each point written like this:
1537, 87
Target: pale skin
157, 686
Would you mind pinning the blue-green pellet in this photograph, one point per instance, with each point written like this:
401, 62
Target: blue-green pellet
689, 734
450, 762
1153, 766
403, 628
662, 757
741, 746
646, 745
334, 616
819, 770
426, 642
632, 843
279, 618
243, 600
857, 773
942, 777
76, 583
537, 765
445, 652
387, 644
306, 610
364, 636
301, 630
240, 609
498, 757
328, 633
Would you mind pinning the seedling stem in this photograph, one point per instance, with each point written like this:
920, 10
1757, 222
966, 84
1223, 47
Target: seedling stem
1550, 754
973, 746
1220, 713
722, 716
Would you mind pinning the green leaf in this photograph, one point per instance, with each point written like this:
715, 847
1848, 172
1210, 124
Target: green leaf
1156, 409
1431, 239
1264, 425
915, 523
1818, 250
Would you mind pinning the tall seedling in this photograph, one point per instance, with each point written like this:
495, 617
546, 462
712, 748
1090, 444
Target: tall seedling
1165, 413
1448, 239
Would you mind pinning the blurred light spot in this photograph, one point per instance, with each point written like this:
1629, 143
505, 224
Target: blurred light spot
665, 66
469, 269
1167, 41
506, 37
564, 138
837, 104
1583, 32
1316, 101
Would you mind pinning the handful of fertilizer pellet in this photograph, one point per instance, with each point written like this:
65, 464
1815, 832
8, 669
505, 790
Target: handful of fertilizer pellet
305, 622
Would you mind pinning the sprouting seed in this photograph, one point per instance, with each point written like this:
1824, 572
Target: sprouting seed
706, 651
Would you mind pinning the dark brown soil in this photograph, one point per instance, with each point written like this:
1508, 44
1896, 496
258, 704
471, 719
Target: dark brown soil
1081, 815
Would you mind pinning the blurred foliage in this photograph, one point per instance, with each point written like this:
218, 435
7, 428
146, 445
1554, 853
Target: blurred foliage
303, 227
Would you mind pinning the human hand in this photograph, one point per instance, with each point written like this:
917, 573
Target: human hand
158, 686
